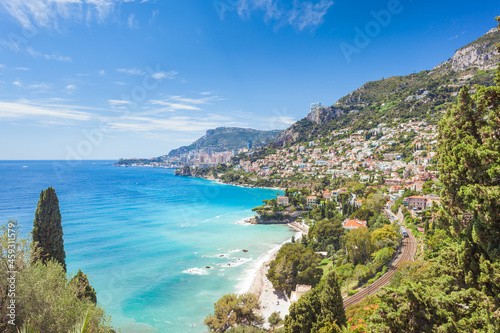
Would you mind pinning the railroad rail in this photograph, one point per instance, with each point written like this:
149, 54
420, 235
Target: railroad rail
408, 249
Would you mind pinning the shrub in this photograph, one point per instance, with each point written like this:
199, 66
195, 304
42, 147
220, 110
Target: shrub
352, 292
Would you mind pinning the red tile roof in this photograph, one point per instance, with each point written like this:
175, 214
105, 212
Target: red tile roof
354, 224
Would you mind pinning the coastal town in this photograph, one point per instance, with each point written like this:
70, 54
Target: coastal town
397, 156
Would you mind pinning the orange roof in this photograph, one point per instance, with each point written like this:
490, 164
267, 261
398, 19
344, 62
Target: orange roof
417, 197
355, 224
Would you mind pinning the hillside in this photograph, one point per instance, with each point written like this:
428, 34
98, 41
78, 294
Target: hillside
216, 140
420, 96
227, 138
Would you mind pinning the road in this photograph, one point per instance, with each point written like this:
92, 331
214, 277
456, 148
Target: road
407, 253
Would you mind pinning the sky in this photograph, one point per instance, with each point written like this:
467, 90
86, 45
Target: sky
109, 79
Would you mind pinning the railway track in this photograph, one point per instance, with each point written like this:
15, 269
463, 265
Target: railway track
407, 253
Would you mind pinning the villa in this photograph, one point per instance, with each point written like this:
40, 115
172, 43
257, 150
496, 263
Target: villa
283, 201
311, 200
353, 224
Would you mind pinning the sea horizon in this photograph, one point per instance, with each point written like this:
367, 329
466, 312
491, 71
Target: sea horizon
146, 237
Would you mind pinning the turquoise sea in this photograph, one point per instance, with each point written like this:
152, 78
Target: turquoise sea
145, 236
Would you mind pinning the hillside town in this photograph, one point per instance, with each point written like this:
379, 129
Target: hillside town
364, 156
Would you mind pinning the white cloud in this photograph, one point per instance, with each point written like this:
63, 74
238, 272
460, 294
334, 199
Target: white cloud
22, 47
175, 123
2, 66
308, 15
27, 109
176, 103
279, 122
153, 16
301, 15
21, 68
32, 14
132, 22
164, 75
270, 8
47, 56
205, 100
116, 102
41, 86
17, 83
175, 106
70, 87
130, 71
102, 72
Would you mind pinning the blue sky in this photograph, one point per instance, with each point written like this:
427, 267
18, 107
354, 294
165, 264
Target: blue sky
104, 79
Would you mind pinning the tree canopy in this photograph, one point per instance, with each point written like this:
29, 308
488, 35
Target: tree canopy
319, 310
234, 310
294, 265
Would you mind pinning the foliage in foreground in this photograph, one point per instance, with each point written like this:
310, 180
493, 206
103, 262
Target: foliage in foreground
234, 310
319, 310
46, 300
294, 265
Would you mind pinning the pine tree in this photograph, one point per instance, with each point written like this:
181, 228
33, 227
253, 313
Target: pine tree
332, 305
47, 229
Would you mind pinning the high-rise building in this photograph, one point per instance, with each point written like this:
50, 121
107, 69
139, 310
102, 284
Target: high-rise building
314, 106
249, 145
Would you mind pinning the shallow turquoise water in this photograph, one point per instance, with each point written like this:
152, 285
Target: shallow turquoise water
145, 236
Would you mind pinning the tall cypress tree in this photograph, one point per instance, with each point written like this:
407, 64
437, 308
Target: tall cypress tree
47, 229
332, 305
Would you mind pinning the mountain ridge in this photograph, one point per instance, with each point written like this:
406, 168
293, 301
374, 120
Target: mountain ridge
418, 95
227, 138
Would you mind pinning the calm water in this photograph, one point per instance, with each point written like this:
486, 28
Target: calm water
144, 236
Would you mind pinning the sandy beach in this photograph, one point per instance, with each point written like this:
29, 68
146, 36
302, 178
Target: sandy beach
270, 300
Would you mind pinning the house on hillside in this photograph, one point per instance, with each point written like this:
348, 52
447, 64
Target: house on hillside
353, 224
417, 186
300, 290
334, 195
311, 200
415, 201
282, 201
394, 182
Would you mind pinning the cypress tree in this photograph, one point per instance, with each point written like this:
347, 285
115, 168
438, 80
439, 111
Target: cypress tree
47, 229
332, 305
469, 159
85, 290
